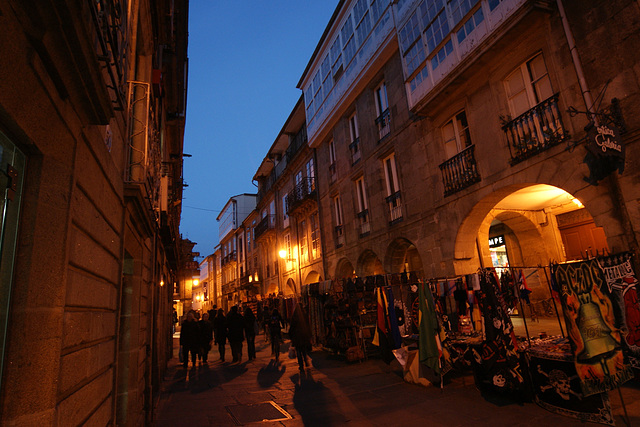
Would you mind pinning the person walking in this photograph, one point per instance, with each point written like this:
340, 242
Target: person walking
220, 332
300, 335
206, 336
275, 332
190, 339
250, 330
235, 333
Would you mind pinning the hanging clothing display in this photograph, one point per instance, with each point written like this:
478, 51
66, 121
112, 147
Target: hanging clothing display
498, 366
590, 320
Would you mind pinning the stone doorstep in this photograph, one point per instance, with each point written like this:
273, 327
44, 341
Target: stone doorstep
257, 412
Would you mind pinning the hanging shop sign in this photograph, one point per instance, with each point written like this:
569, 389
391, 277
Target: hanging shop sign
605, 152
497, 241
589, 314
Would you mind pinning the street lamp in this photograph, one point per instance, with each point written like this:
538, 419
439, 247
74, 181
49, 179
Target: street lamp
283, 255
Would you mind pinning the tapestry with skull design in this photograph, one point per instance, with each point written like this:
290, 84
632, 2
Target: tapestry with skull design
623, 290
497, 365
595, 340
556, 388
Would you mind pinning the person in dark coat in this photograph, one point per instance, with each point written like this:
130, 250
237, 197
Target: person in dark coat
220, 332
206, 336
250, 327
275, 325
300, 335
190, 339
235, 333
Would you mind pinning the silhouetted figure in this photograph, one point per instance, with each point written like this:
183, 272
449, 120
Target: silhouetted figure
220, 332
190, 339
250, 329
206, 336
275, 332
235, 333
300, 335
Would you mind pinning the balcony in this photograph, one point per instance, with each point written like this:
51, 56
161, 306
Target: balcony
365, 225
384, 124
230, 257
354, 149
536, 130
268, 223
395, 207
460, 171
303, 191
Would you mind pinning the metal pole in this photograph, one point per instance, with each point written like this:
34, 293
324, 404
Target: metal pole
554, 301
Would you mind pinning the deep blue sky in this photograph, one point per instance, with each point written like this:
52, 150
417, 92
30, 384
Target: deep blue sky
245, 59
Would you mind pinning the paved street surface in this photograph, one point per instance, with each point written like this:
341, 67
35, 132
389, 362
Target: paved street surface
334, 393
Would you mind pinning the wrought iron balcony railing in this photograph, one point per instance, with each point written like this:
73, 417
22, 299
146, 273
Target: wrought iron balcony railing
384, 123
305, 189
536, 130
267, 223
354, 148
365, 225
460, 171
395, 207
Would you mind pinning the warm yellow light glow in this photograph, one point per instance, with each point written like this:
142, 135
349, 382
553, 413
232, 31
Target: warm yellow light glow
195, 282
161, 282
577, 202
255, 277
250, 279
283, 254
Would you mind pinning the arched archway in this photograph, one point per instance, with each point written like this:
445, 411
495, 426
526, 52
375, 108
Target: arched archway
533, 215
369, 264
290, 287
344, 269
312, 277
402, 256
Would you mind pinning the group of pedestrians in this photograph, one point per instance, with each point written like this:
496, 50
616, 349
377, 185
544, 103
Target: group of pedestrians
196, 336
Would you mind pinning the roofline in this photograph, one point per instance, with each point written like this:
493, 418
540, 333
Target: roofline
321, 42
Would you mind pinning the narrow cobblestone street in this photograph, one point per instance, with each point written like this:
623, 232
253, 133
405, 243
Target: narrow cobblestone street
333, 393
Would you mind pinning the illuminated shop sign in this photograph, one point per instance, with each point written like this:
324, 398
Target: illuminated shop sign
496, 241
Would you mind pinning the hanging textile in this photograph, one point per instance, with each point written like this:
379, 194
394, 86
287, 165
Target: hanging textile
499, 366
622, 286
382, 337
590, 320
394, 330
429, 342
556, 385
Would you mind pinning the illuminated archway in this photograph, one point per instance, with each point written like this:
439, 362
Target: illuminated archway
369, 264
402, 256
345, 269
312, 277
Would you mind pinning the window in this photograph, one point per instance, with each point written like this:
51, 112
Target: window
354, 147
528, 85
442, 54
302, 232
272, 213
382, 108
377, 7
459, 8
339, 229
285, 210
346, 33
332, 161
455, 134
363, 207
311, 176
470, 25
393, 189
315, 236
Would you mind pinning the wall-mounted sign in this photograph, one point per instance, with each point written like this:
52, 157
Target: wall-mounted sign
605, 152
496, 241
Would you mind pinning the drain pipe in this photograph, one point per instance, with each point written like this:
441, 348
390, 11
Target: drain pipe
586, 94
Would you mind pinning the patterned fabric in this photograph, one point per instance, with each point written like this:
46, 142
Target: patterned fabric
622, 287
589, 315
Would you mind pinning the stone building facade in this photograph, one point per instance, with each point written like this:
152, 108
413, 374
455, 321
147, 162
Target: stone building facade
288, 234
92, 109
439, 126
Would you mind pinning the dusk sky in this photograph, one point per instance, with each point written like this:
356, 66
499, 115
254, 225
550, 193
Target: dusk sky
245, 60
